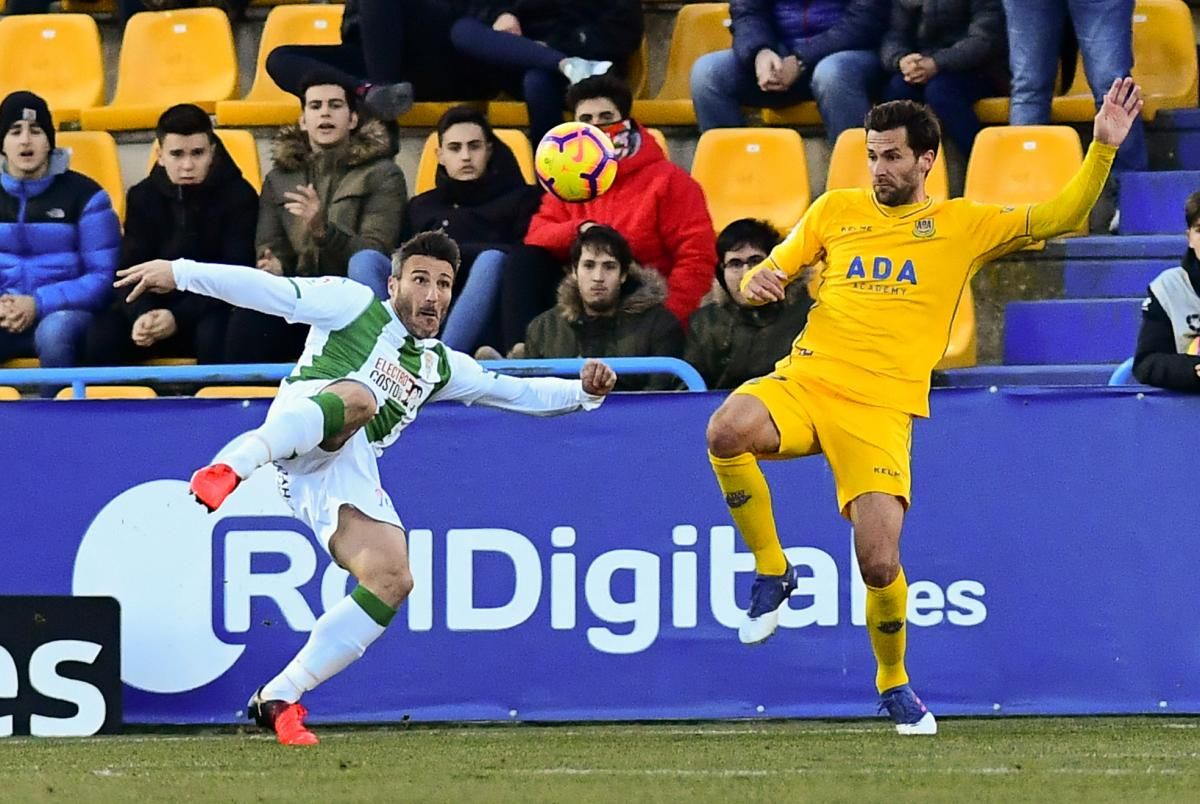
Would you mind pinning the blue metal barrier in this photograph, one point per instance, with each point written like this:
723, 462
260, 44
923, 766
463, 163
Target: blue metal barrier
78, 377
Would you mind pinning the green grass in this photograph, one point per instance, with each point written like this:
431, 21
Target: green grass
1005, 759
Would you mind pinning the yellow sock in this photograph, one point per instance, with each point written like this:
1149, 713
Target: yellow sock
749, 501
886, 614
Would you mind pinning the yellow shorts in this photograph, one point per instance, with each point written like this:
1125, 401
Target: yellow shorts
867, 446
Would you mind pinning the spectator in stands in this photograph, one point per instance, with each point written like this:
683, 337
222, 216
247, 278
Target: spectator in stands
391, 52
948, 54
1167, 348
331, 206
608, 306
484, 203
58, 240
656, 206
194, 204
1104, 30
541, 45
788, 51
729, 340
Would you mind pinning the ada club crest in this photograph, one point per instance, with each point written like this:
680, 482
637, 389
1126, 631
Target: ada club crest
923, 228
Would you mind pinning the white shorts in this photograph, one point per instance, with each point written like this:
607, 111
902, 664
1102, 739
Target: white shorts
317, 484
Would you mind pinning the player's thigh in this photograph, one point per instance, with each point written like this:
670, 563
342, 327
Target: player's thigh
868, 448
786, 403
374, 552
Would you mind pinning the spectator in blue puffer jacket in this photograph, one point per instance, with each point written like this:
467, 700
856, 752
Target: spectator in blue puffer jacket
788, 51
59, 239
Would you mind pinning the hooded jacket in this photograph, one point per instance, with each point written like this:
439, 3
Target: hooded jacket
213, 221
58, 239
641, 327
362, 194
1170, 320
491, 212
729, 344
658, 208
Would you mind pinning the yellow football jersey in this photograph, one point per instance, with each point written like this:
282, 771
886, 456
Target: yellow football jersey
891, 283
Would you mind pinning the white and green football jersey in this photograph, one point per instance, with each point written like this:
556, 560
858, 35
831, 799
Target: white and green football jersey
355, 336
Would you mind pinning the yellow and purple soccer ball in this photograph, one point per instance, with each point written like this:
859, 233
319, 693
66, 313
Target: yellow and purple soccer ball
575, 162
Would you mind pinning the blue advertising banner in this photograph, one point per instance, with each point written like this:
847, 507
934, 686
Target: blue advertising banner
585, 567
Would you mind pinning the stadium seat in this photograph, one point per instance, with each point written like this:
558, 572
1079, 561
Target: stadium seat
514, 139
169, 57
266, 104
513, 113
9, 394
661, 139
21, 362
961, 350
848, 166
753, 173
240, 145
1164, 64
110, 392
699, 28
94, 154
57, 56
237, 391
1022, 164
170, 361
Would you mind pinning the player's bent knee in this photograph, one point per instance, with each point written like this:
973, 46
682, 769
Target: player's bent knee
391, 582
360, 403
879, 570
731, 429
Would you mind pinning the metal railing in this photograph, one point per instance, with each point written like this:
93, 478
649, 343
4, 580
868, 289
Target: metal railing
79, 377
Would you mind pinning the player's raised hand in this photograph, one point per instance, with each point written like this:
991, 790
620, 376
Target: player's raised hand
1122, 104
155, 276
763, 287
597, 378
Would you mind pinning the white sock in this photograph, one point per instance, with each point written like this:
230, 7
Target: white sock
340, 636
294, 428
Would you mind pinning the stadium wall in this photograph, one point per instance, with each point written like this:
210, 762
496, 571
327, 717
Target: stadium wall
585, 567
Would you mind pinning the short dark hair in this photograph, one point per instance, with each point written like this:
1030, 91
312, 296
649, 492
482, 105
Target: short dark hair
1191, 209
601, 86
185, 119
605, 239
436, 244
463, 113
746, 232
328, 78
920, 124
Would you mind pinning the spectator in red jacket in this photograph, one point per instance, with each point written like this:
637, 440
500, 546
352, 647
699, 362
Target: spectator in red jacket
655, 205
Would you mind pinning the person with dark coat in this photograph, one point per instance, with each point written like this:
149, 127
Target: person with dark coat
194, 204
948, 54
58, 240
608, 306
484, 203
730, 341
1167, 346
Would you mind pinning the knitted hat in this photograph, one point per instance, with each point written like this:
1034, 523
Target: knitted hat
22, 105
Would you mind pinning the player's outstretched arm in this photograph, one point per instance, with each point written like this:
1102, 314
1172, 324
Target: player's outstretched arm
1068, 211
328, 302
471, 384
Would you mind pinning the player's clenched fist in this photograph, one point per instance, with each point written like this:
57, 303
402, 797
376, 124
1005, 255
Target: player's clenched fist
763, 286
598, 379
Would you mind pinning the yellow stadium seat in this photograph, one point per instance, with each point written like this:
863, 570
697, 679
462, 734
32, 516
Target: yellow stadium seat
9, 394
21, 362
110, 392
94, 154
753, 173
513, 113
170, 361
661, 139
699, 28
237, 391
241, 148
1164, 64
961, 350
802, 114
169, 57
57, 56
514, 139
266, 104
90, 6
848, 166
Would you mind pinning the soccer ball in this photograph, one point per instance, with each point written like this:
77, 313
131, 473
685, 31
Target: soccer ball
575, 162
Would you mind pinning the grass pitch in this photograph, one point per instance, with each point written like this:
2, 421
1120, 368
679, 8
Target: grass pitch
1005, 759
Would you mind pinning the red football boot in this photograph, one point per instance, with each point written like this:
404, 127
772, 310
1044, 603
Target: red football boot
285, 719
212, 484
